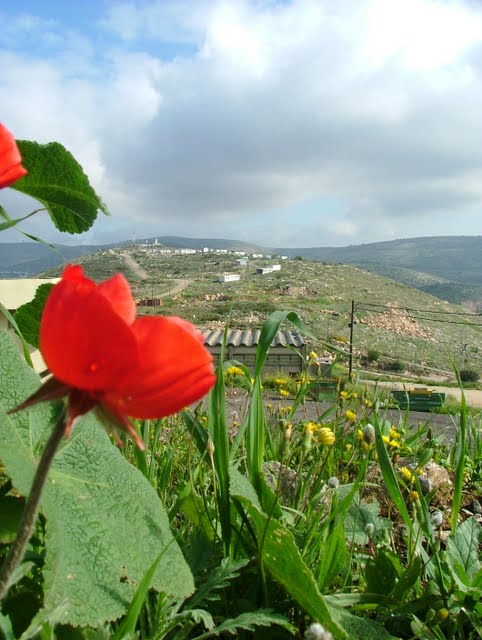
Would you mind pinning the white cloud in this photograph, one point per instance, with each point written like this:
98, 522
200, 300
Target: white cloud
374, 103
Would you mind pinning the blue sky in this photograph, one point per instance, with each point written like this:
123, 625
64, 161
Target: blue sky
294, 123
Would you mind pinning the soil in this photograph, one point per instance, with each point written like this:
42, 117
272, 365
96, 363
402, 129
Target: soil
237, 405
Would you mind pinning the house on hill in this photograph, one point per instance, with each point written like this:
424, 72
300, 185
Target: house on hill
262, 271
287, 351
228, 277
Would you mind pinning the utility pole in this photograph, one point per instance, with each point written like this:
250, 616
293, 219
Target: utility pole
352, 324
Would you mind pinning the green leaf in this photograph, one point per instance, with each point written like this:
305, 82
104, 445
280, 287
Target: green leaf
218, 579
28, 315
359, 516
383, 572
463, 550
333, 557
358, 628
11, 509
390, 477
128, 624
269, 331
105, 522
26, 353
248, 621
57, 180
281, 556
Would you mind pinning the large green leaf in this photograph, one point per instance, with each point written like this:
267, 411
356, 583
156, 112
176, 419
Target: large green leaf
57, 180
105, 522
463, 550
28, 315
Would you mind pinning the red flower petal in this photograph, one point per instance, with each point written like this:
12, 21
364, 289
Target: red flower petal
118, 292
84, 341
174, 370
10, 159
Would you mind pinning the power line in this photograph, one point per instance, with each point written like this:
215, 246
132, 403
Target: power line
413, 317
447, 313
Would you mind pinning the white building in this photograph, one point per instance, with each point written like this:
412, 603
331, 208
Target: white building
262, 271
229, 277
276, 267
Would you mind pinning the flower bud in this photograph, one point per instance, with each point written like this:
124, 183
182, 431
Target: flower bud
210, 447
317, 632
368, 434
333, 482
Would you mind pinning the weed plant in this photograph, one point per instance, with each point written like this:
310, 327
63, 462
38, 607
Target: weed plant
288, 518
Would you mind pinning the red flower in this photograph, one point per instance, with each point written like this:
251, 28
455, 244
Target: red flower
102, 356
10, 160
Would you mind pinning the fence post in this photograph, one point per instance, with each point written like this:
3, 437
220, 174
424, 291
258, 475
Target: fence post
352, 323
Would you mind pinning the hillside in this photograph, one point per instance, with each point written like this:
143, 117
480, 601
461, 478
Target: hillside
447, 267
320, 293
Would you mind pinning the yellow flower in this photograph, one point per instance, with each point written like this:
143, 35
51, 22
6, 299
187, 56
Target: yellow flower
348, 446
344, 394
284, 393
386, 439
413, 496
394, 434
325, 436
406, 474
368, 403
350, 415
355, 395
280, 381
311, 427
394, 444
359, 434
313, 355
234, 371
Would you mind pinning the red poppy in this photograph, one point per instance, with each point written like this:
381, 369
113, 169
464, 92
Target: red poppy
102, 356
10, 159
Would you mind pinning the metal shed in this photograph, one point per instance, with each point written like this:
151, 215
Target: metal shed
242, 344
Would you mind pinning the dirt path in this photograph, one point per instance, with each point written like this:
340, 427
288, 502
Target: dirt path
135, 267
181, 284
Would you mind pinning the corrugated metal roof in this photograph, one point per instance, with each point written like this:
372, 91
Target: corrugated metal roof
250, 338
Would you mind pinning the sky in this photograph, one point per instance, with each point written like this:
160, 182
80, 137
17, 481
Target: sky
289, 123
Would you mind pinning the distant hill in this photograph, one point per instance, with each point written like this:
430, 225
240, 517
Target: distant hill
449, 267
27, 259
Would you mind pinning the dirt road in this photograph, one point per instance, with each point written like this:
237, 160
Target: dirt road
181, 284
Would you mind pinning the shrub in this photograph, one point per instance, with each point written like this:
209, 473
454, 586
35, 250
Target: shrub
393, 365
372, 355
280, 380
469, 375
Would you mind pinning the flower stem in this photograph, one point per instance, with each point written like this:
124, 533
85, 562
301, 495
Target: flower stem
29, 516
